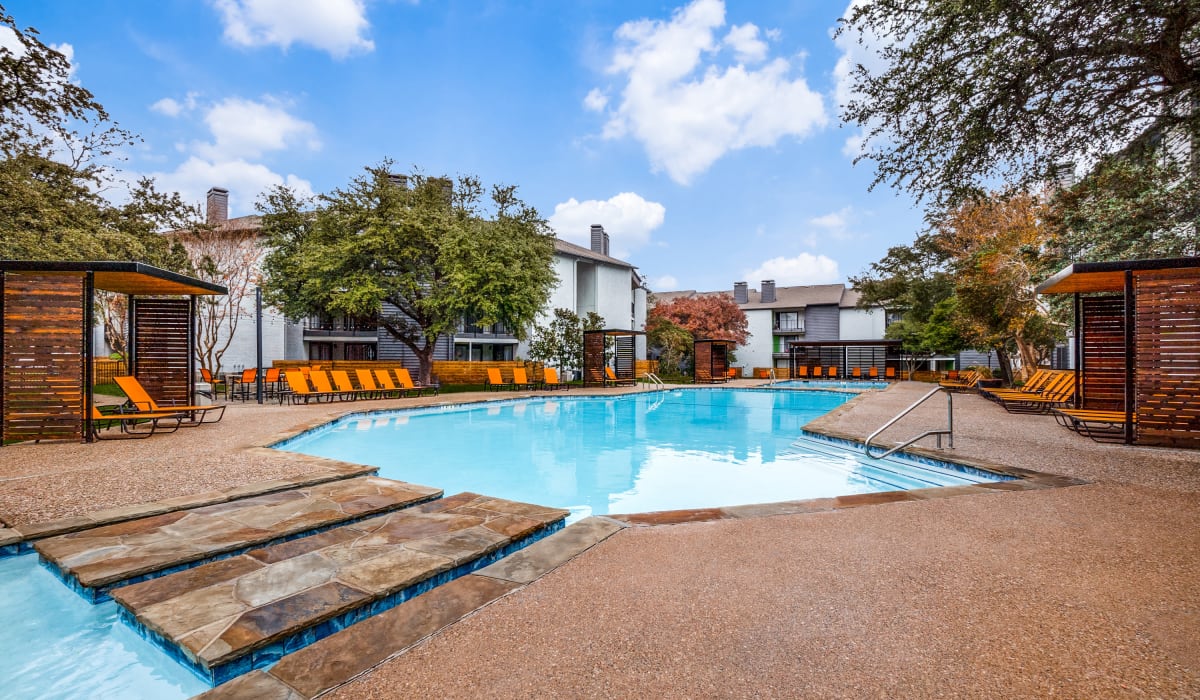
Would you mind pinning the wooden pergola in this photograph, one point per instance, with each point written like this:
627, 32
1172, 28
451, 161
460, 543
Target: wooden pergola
711, 360
623, 354
1137, 344
46, 322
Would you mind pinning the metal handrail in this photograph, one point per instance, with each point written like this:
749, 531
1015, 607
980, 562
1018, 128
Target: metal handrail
939, 433
773, 377
652, 378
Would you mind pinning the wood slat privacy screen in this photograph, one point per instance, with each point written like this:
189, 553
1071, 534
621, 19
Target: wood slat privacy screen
1104, 353
1168, 357
43, 385
162, 348
703, 356
623, 357
593, 358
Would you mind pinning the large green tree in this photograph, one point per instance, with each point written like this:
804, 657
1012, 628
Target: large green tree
560, 341
435, 250
967, 93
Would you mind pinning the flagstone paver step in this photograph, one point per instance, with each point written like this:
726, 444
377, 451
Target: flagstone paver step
94, 561
228, 617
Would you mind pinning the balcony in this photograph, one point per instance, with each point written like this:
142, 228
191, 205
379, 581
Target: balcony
324, 327
789, 328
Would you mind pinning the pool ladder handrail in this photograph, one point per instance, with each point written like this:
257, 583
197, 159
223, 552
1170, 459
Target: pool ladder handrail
949, 430
652, 378
773, 377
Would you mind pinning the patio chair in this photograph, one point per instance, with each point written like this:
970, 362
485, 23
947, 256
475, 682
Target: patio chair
832, 373
961, 382
856, 373
406, 382
298, 389
140, 399
128, 423
873, 373
387, 386
495, 381
341, 379
816, 373
367, 382
551, 380
521, 379
610, 377
890, 374
213, 383
1043, 386
320, 381
802, 372
1101, 426
271, 381
1058, 396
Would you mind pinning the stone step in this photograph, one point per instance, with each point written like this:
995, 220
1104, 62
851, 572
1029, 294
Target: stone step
229, 617
94, 561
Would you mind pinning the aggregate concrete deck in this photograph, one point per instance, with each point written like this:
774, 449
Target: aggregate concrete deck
94, 560
231, 616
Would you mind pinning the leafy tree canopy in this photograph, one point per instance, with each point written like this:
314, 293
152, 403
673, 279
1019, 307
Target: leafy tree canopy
561, 341
429, 248
712, 316
977, 91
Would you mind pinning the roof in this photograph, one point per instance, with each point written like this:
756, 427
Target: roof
240, 224
1107, 276
785, 297
850, 297
561, 246
134, 278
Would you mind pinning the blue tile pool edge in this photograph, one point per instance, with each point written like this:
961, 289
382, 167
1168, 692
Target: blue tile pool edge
972, 470
266, 656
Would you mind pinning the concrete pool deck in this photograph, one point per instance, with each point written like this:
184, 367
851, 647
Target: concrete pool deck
1086, 591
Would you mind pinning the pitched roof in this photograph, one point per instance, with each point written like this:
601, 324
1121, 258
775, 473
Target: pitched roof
579, 251
785, 297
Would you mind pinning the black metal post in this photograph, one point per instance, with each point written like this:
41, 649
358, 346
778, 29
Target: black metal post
258, 362
88, 355
1077, 351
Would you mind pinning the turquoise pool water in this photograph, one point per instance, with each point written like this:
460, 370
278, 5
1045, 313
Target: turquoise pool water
629, 454
827, 384
54, 644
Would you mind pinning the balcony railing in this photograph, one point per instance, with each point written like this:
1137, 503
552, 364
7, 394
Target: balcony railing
789, 327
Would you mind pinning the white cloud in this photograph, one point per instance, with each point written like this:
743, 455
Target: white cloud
835, 224
246, 129
168, 107
743, 39
627, 218
687, 108
335, 26
595, 100
244, 180
665, 283
804, 268
854, 53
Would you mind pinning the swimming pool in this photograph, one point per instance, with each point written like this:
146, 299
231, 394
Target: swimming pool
54, 644
652, 451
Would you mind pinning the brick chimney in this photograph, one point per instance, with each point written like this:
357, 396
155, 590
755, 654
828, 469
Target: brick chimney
400, 181
768, 291
606, 244
598, 236
740, 295
217, 211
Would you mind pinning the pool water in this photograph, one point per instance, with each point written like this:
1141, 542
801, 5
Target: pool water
54, 644
635, 453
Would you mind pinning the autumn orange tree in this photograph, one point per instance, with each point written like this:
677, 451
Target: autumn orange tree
672, 326
991, 248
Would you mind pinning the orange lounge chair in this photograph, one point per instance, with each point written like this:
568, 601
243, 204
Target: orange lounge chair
407, 383
341, 380
802, 372
551, 380
495, 381
298, 389
320, 381
366, 381
832, 373
856, 373
890, 374
384, 380
128, 422
521, 379
140, 399
816, 373
610, 377
873, 373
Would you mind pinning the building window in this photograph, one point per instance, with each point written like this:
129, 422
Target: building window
791, 321
891, 316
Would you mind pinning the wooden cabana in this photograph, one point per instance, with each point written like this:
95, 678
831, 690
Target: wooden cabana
46, 321
712, 360
1137, 344
845, 355
624, 355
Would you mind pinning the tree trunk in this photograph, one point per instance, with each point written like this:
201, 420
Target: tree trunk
1006, 372
1029, 357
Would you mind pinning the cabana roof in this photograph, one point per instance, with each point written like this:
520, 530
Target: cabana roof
134, 278
1084, 278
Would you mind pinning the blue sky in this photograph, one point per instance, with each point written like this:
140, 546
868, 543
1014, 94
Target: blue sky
704, 136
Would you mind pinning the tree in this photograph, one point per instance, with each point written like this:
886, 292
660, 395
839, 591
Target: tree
975, 91
428, 248
230, 259
561, 342
672, 326
711, 316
